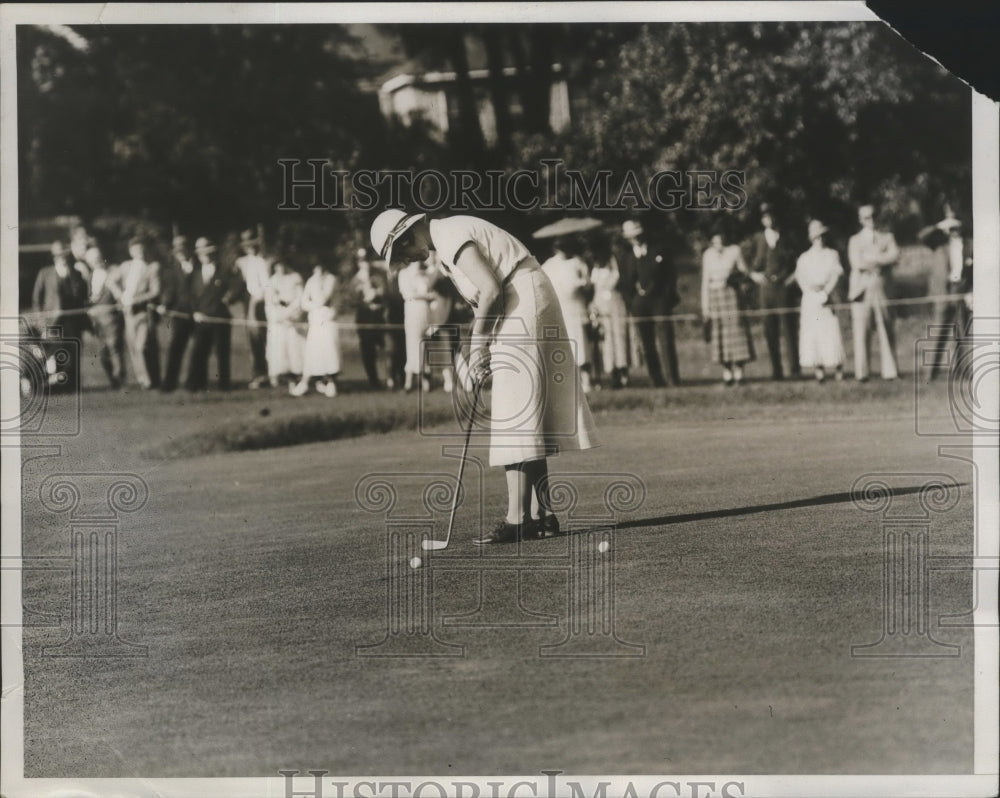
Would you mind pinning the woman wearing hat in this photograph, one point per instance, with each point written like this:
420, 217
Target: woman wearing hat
731, 342
285, 338
817, 272
519, 335
321, 354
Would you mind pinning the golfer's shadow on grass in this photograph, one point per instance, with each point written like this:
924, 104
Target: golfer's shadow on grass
815, 501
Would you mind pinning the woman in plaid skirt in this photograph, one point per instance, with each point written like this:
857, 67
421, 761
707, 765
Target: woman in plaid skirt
731, 342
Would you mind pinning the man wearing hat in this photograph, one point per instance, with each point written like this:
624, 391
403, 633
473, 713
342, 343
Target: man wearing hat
871, 253
213, 291
649, 286
60, 295
951, 275
772, 262
256, 274
105, 315
177, 308
371, 286
140, 294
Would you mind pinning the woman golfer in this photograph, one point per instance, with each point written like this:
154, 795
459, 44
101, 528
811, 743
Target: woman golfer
518, 334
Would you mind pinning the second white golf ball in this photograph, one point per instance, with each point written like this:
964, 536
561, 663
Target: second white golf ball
603, 546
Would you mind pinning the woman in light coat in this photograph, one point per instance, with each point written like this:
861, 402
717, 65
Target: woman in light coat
285, 328
817, 272
321, 355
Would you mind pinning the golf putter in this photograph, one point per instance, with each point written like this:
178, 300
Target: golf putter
438, 545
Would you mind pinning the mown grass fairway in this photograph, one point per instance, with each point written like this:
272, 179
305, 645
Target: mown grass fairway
747, 574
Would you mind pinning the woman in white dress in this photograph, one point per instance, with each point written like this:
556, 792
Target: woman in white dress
731, 342
611, 312
321, 356
817, 272
285, 331
423, 309
569, 276
518, 335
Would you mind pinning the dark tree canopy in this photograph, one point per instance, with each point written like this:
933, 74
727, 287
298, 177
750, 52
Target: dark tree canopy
184, 125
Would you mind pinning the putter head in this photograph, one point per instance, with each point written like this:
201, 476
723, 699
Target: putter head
433, 545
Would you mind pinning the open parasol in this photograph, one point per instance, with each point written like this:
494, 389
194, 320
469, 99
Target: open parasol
567, 226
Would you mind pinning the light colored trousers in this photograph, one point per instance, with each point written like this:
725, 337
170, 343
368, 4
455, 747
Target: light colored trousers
872, 305
614, 319
143, 347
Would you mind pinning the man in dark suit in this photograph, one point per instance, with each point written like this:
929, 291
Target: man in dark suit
213, 290
59, 291
395, 338
951, 276
649, 286
60, 296
772, 261
370, 285
177, 309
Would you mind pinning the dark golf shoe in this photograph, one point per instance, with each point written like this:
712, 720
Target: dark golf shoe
547, 527
501, 533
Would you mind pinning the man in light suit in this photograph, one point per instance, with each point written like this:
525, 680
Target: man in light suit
871, 253
256, 272
105, 315
140, 294
951, 275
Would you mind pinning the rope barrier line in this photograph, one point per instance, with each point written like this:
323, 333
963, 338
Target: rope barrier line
679, 317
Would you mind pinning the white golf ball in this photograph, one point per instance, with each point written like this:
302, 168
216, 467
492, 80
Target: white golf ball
603, 546
415, 563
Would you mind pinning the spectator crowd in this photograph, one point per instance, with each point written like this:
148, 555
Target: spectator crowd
159, 324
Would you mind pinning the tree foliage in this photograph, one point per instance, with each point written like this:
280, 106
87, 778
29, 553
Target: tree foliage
817, 116
185, 124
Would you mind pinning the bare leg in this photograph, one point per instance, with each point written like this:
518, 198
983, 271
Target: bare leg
518, 494
527, 491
